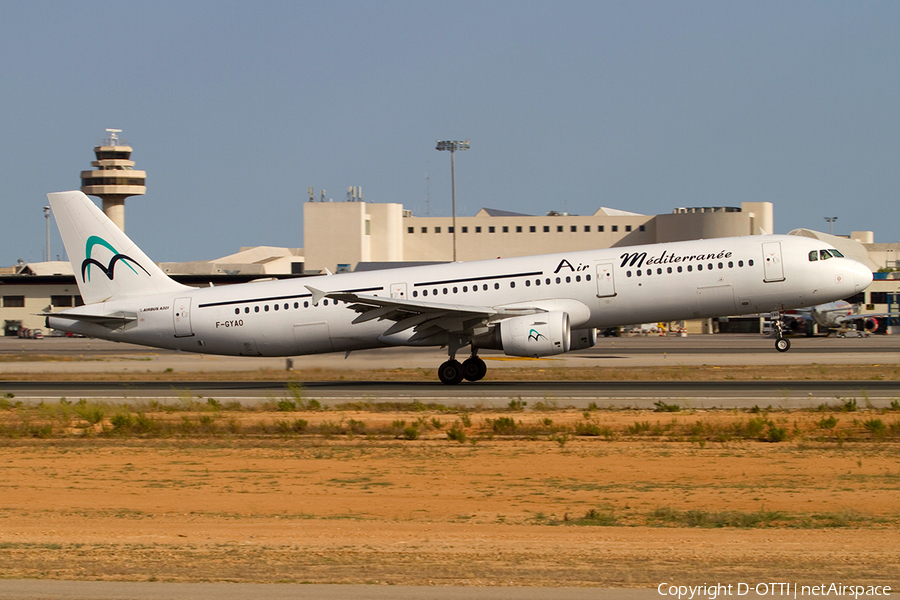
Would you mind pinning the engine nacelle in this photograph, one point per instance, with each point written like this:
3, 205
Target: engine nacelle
871, 324
582, 338
542, 334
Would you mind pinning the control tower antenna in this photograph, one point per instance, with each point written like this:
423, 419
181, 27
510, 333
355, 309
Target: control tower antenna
114, 177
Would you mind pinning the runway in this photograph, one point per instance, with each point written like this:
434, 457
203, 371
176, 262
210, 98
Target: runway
22, 360
577, 394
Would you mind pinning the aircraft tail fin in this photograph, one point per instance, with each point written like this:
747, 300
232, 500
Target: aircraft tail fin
107, 264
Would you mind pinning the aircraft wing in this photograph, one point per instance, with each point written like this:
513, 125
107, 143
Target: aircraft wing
425, 318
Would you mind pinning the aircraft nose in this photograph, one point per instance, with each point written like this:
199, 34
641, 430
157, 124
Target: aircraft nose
862, 276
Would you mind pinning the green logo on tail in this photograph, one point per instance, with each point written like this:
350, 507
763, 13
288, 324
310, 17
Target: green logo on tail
109, 269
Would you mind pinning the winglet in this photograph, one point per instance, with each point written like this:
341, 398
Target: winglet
316, 294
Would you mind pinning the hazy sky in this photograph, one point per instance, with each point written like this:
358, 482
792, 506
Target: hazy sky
235, 108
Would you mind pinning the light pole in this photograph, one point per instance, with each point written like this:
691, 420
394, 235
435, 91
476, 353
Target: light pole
831, 221
47, 217
453, 146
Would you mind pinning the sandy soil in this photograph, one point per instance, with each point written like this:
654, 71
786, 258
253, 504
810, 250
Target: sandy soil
431, 511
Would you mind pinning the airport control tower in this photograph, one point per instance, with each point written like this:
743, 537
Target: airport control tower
114, 177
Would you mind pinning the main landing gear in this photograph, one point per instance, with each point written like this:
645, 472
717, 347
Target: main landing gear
453, 372
782, 344
471, 369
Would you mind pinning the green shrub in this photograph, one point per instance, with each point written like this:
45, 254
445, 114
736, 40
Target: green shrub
517, 405
456, 434
828, 423
286, 405
663, 407
503, 425
776, 434
875, 426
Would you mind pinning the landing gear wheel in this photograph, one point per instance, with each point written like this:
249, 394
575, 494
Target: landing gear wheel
782, 344
451, 372
474, 369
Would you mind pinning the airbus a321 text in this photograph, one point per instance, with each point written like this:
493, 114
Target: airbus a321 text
525, 306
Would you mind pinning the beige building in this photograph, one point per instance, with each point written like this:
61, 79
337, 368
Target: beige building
340, 235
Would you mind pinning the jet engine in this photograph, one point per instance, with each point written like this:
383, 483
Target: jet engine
871, 324
583, 338
541, 334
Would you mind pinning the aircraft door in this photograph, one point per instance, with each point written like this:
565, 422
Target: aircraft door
772, 264
606, 285
312, 338
181, 313
398, 290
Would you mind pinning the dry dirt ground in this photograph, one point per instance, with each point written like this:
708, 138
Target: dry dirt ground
630, 508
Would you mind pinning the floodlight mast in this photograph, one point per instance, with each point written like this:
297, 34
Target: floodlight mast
831, 221
453, 146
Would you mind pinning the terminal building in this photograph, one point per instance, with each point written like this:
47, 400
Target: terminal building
355, 235
386, 232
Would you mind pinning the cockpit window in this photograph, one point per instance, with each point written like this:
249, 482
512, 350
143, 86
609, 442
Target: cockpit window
814, 256
824, 254
835, 253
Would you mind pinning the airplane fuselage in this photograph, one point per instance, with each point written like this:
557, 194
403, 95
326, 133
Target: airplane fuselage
595, 288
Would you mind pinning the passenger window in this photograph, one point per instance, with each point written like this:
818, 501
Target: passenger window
484, 287
465, 288
445, 291
699, 267
587, 277
578, 278
740, 263
496, 286
246, 309
558, 280
750, 263
266, 308
668, 269
287, 307
424, 292
639, 272
814, 256
537, 282
415, 293
568, 279
276, 307
325, 302
512, 284
628, 273
255, 309
659, 271
690, 268
306, 305
237, 311
296, 305
527, 283
547, 281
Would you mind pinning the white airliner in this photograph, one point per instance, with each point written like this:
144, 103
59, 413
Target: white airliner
839, 316
527, 306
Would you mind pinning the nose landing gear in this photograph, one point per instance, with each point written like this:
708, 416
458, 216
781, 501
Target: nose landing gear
782, 344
